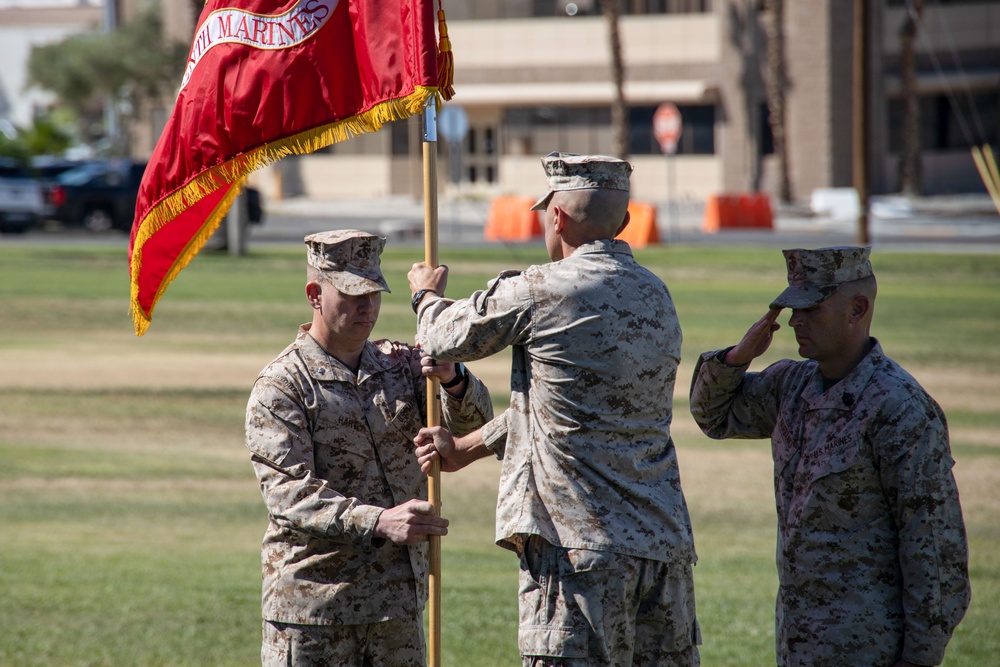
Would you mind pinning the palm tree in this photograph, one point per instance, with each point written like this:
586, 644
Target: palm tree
910, 172
775, 85
619, 109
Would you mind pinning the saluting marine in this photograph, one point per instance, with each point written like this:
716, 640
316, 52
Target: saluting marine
872, 554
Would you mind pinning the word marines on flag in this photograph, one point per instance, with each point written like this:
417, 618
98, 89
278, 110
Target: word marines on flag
237, 26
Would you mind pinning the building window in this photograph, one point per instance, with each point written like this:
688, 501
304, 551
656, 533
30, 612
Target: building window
766, 135
534, 130
400, 131
949, 124
489, 142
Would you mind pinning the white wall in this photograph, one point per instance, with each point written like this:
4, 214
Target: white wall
28, 23
345, 177
527, 43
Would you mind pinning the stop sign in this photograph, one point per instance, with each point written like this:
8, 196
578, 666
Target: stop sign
667, 127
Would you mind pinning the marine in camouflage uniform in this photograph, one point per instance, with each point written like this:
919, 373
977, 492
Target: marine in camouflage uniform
590, 493
331, 444
872, 555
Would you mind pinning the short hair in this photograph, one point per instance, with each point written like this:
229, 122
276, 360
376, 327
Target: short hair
598, 212
314, 275
867, 286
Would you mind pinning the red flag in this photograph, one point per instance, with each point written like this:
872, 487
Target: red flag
265, 79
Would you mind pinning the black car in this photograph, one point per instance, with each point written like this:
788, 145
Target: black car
100, 196
46, 167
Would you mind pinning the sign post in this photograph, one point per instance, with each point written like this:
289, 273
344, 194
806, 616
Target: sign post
667, 127
453, 124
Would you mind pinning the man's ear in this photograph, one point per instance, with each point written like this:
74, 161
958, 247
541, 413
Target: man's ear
313, 293
860, 305
558, 220
628, 217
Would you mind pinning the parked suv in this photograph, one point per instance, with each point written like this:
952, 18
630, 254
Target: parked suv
21, 201
98, 195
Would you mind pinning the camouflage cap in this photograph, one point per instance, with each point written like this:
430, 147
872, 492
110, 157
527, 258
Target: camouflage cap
813, 275
568, 171
349, 258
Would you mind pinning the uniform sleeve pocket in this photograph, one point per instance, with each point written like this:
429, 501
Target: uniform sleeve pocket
783, 445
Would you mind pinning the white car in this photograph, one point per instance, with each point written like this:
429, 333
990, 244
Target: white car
21, 200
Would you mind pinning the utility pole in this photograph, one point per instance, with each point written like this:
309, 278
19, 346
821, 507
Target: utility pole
862, 45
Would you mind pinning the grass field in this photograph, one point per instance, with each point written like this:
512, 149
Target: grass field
130, 520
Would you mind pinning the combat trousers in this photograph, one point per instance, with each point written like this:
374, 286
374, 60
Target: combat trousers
394, 643
585, 608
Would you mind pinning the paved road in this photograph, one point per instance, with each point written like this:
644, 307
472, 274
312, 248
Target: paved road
956, 224
967, 224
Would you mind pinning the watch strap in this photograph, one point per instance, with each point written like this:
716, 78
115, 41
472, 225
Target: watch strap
459, 377
419, 296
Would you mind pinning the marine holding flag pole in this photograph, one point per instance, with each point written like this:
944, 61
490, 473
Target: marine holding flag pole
433, 400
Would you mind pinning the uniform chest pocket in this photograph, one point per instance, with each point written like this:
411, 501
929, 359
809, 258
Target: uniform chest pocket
341, 448
844, 489
401, 416
836, 455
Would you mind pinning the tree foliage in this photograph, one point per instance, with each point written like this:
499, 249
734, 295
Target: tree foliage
134, 62
45, 136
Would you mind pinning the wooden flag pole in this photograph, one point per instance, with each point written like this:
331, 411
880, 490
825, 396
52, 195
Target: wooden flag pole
433, 403
989, 175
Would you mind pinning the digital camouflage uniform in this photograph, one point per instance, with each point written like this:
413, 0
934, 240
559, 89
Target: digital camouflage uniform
331, 450
588, 462
872, 556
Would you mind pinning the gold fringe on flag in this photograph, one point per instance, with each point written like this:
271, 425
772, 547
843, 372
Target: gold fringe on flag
236, 171
446, 58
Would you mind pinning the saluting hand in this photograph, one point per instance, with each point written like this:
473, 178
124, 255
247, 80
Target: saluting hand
756, 340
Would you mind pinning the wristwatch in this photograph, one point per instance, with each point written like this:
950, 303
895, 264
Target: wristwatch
418, 297
459, 377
